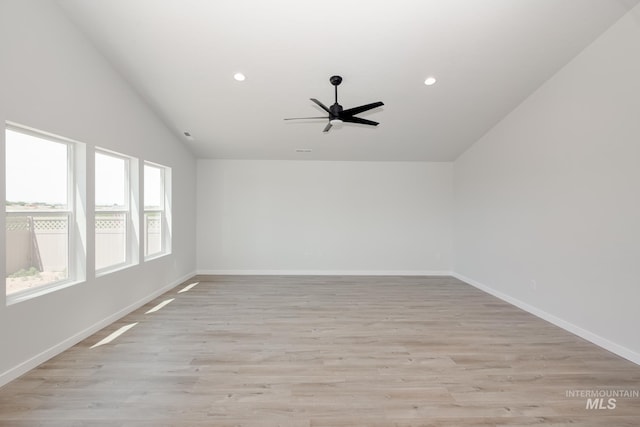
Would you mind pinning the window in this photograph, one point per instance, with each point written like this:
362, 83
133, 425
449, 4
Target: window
114, 247
157, 224
39, 210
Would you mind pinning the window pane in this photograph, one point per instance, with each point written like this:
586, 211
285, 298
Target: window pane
111, 178
156, 227
152, 233
36, 171
37, 250
37, 245
153, 187
112, 194
111, 239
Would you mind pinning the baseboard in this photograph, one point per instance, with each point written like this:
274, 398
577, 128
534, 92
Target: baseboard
35, 361
567, 326
324, 273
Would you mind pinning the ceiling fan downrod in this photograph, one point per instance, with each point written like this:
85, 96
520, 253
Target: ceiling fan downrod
335, 81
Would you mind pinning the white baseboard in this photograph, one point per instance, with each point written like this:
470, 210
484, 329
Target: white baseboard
26, 366
324, 273
567, 326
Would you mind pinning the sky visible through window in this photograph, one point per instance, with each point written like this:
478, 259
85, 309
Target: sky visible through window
36, 170
37, 174
153, 191
111, 175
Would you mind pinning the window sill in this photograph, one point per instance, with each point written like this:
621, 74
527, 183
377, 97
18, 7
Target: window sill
34, 293
156, 256
114, 268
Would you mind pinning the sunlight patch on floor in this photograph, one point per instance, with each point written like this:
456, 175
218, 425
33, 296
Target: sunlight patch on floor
188, 287
159, 306
114, 335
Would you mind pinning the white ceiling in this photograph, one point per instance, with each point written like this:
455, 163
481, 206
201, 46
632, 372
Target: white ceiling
488, 56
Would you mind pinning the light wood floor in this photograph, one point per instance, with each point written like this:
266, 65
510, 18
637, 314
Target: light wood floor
325, 351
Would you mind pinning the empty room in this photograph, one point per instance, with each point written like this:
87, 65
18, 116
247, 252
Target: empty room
337, 213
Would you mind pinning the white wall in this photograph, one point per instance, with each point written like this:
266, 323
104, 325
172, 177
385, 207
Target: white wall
552, 194
53, 80
319, 217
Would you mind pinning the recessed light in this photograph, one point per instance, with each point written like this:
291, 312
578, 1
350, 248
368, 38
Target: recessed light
239, 77
430, 81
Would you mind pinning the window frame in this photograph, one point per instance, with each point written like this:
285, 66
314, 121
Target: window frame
164, 211
70, 212
130, 243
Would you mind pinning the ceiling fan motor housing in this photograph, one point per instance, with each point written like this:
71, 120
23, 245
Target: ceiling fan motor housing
335, 110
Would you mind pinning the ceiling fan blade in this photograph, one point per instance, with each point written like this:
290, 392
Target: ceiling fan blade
327, 127
359, 121
321, 105
306, 118
355, 110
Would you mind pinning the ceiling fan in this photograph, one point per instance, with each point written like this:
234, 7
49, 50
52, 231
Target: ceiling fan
337, 114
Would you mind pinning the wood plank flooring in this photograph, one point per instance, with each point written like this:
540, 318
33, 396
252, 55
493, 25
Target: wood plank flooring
325, 351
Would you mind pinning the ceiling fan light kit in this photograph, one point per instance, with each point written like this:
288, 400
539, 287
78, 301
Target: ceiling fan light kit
337, 114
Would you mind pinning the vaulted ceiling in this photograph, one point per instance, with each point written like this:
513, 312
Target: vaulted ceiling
487, 56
